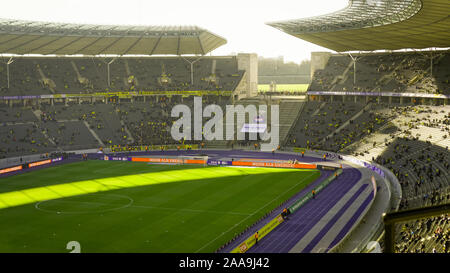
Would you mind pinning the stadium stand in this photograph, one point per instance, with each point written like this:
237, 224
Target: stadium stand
321, 120
430, 235
386, 72
65, 75
46, 127
410, 140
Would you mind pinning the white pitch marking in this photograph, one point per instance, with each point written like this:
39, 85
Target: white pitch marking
191, 210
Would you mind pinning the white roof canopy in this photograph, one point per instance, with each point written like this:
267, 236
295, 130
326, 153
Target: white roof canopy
31, 37
368, 25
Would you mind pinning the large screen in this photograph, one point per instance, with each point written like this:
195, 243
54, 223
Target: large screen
259, 125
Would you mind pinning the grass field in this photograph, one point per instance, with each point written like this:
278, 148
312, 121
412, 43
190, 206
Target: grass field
136, 207
284, 87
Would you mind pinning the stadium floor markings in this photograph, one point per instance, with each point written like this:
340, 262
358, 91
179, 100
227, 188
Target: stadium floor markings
192, 210
130, 202
112, 166
301, 181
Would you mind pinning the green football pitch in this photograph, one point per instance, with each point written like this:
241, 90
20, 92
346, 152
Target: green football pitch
136, 207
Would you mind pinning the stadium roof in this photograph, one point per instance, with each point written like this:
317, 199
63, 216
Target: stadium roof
368, 25
31, 37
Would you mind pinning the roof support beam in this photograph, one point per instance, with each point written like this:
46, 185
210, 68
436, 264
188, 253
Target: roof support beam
74, 41
86, 46
12, 39
10, 61
110, 45
61, 47
7, 68
46, 44
156, 45
192, 67
132, 45
109, 74
201, 45
178, 46
114, 42
354, 59
22, 44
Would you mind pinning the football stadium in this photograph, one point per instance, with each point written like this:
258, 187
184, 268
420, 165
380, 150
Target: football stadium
136, 139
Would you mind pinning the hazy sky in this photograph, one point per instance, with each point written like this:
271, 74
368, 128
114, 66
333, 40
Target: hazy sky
241, 22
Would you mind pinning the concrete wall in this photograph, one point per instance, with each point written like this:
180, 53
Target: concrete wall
242, 88
319, 61
249, 63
